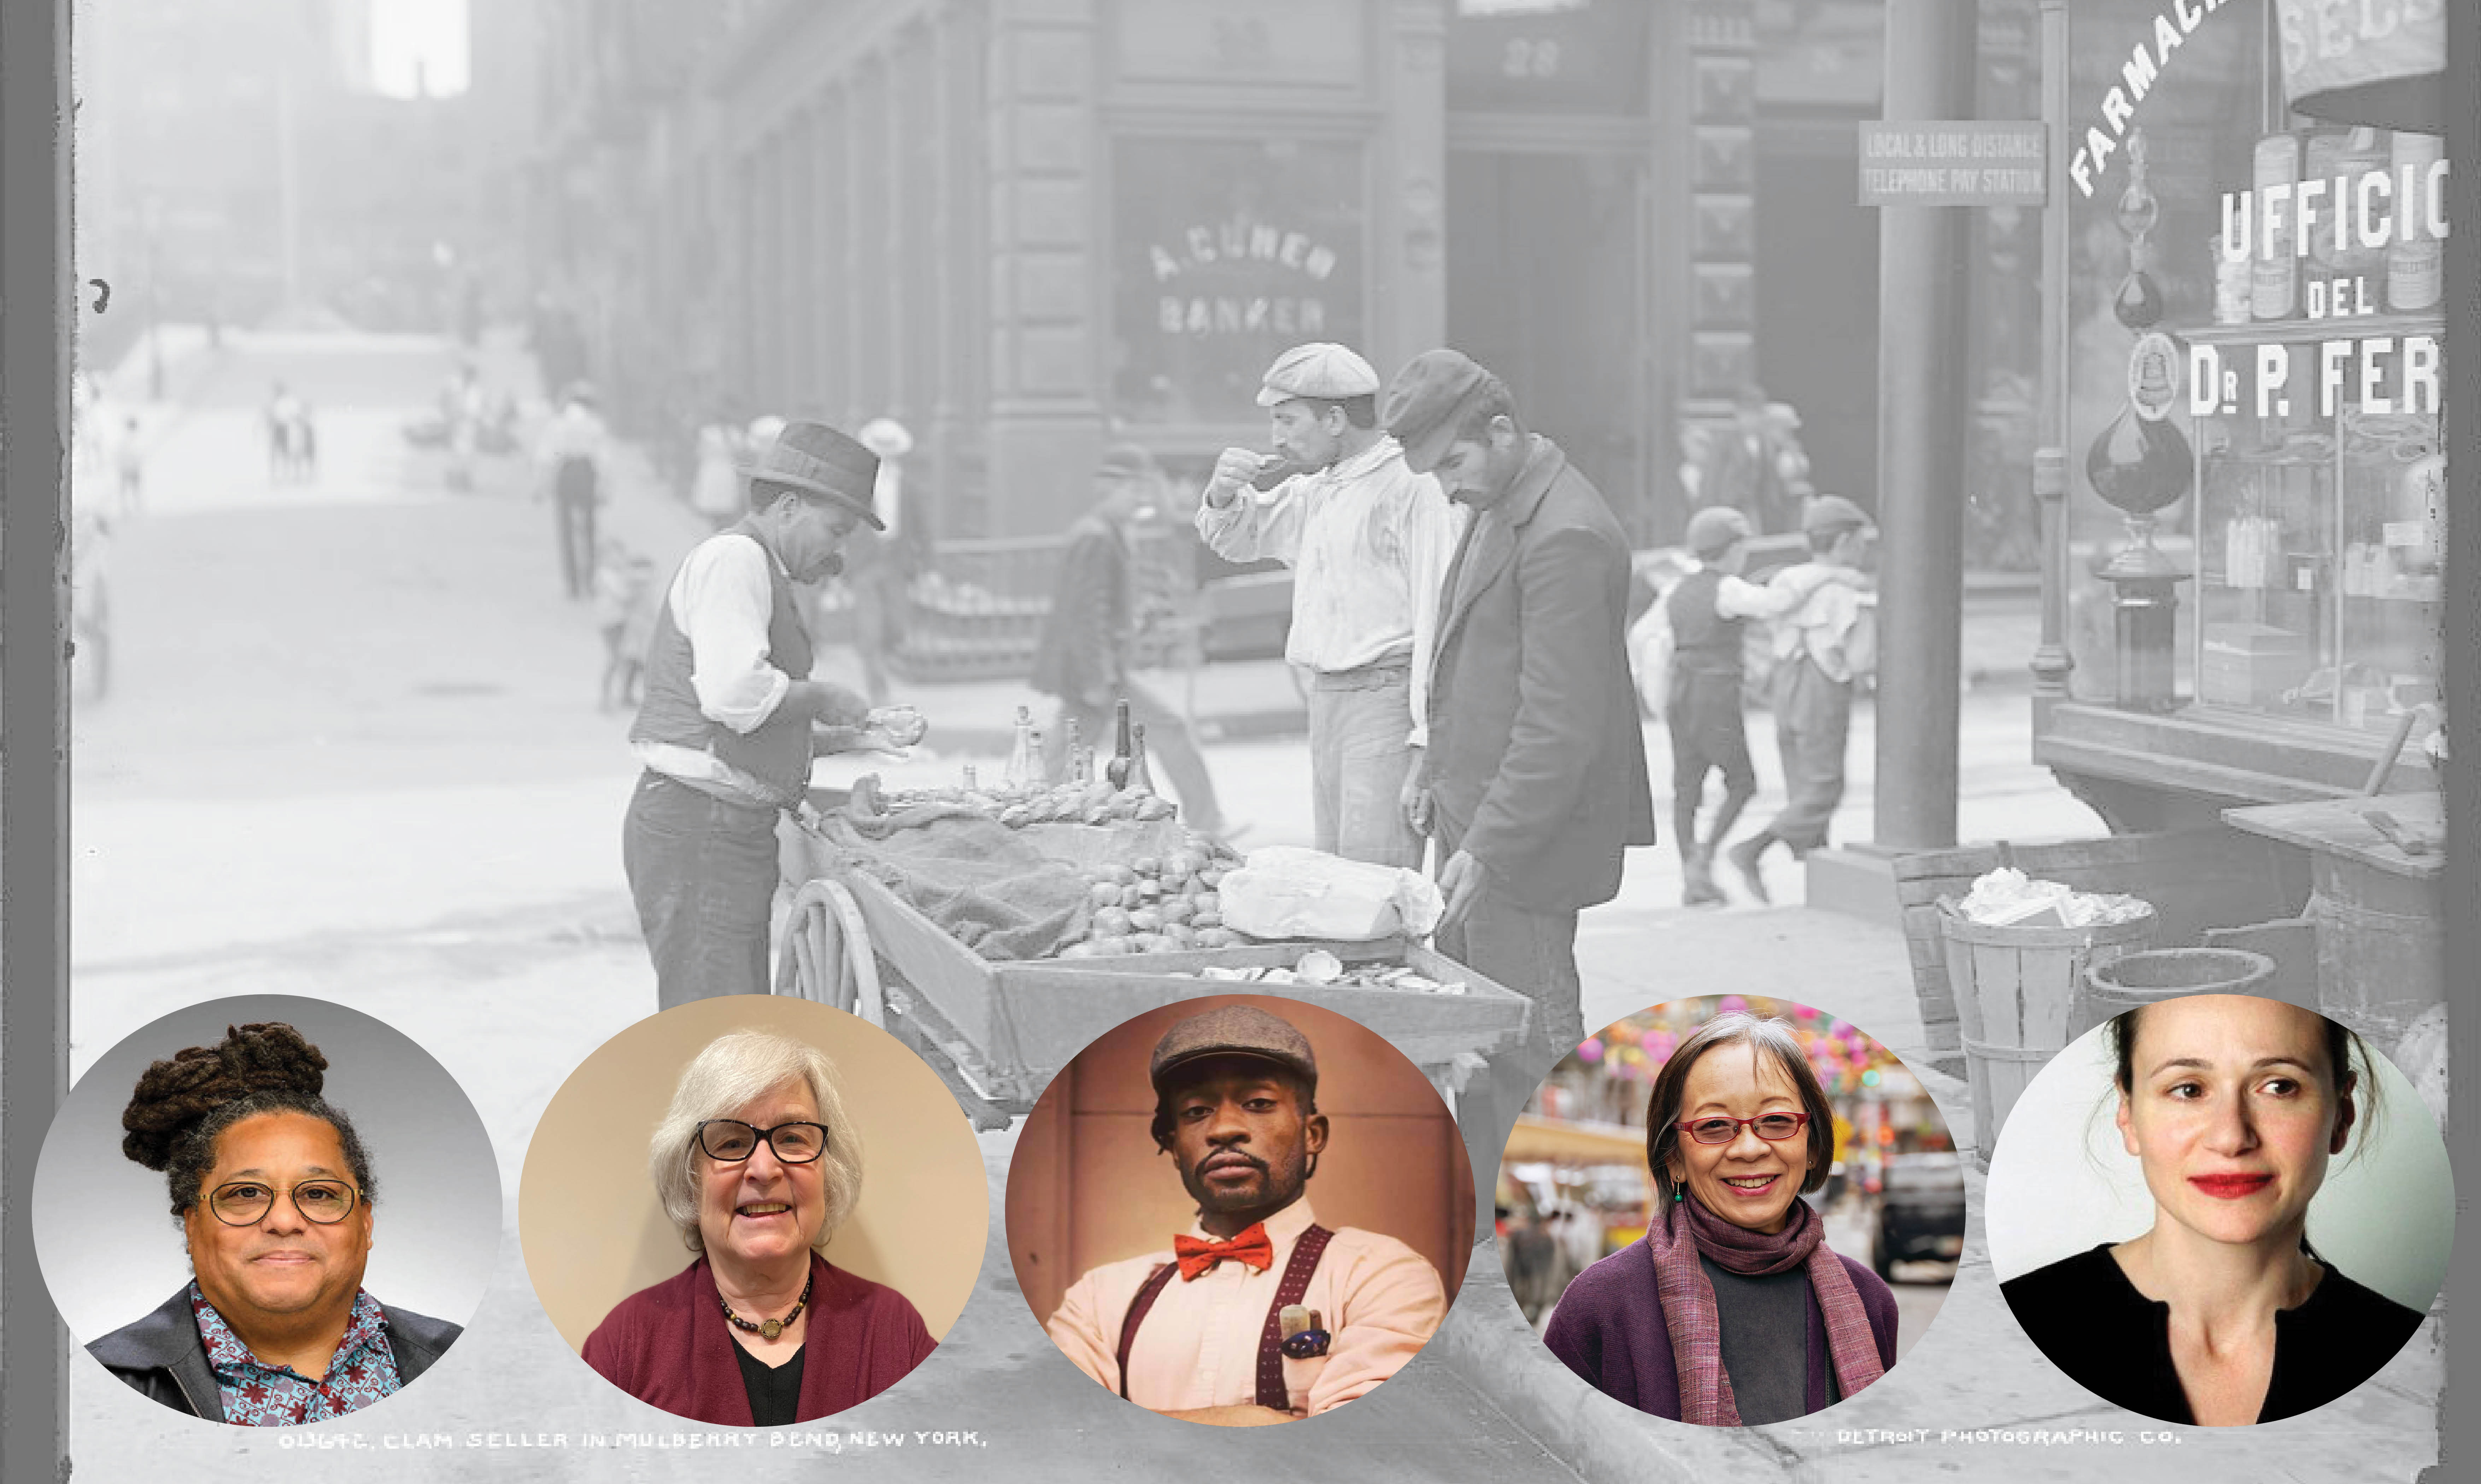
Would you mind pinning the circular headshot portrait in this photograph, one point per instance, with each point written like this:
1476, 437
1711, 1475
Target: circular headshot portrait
1239, 1211
754, 1210
1729, 1210
267, 1210
2220, 1210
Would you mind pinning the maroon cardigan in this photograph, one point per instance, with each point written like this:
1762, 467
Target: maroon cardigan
670, 1345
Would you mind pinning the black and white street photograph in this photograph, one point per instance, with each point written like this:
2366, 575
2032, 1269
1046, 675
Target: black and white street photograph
1681, 596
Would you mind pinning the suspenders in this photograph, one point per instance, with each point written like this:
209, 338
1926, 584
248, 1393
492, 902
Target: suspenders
1296, 1286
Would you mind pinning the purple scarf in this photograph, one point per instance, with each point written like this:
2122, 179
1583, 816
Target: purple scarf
1689, 1229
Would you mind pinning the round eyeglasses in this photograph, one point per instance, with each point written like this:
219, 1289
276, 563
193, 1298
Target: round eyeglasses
1773, 1128
729, 1140
247, 1202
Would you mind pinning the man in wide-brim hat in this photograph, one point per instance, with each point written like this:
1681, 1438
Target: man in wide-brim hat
731, 715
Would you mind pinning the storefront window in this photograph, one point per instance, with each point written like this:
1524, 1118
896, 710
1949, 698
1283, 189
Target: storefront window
2296, 262
1228, 253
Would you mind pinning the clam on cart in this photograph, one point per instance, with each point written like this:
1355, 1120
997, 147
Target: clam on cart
997, 1030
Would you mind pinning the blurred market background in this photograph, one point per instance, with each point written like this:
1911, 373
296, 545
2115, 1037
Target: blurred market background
1573, 1186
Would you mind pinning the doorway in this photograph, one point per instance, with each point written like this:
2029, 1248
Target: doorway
1545, 287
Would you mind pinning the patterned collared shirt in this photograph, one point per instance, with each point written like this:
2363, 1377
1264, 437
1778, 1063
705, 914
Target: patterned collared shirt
259, 1396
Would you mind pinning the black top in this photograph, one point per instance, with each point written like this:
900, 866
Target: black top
1765, 1330
2115, 1341
162, 1356
774, 1390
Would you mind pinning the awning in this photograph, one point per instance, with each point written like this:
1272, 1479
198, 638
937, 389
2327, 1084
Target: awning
1557, 1141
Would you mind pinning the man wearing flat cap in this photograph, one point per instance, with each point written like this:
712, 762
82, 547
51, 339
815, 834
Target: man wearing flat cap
1082, 656
731, 716
1257, 1314
1369, 542
1821, 647
1535, 781
1699, 642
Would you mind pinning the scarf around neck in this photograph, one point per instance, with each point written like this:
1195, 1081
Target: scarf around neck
1687, 1229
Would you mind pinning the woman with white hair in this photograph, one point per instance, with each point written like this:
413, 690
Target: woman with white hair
757, 1165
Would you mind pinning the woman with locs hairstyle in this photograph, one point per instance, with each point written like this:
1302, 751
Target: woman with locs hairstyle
2222, 1314
1730, 1310
757, 1165
274, 1192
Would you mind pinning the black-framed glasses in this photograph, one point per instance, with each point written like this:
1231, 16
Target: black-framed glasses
247, 1202
1773, 1128
729, 1140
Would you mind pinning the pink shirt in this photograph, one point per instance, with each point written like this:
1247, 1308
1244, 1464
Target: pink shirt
1198, 1346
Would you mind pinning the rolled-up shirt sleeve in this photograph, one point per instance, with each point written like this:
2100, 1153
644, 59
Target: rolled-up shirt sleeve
1392, 1304
722, 601
1258, 524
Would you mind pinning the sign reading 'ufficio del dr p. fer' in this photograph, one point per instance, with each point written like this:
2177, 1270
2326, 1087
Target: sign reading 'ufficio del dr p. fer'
1968, 162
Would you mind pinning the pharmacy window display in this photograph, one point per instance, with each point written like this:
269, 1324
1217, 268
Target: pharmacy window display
2251, 557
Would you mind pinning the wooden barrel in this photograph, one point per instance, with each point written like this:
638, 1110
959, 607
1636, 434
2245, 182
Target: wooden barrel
2015, 992
2132, 981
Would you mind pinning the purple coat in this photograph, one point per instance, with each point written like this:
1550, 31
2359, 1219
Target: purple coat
669, 1345
1608, 1328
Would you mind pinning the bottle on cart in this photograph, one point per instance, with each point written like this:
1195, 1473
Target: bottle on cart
1076, 749
1019, 773
1116, 771
972, 785
1138, 778
1036, 776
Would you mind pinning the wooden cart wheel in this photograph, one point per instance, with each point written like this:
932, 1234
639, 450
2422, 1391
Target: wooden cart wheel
825, 952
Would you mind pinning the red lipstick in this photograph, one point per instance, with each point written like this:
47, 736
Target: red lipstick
2231, 1187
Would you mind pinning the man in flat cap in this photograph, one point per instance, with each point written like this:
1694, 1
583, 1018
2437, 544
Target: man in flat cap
1082, 656
1699, 642
1257, 1314
1369, 542
1819, 648
1535, 781
731, 718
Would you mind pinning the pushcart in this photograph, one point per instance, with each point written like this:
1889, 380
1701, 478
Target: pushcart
996, 1031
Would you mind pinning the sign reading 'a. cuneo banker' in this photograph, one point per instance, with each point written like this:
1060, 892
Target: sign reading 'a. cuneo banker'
1966, 162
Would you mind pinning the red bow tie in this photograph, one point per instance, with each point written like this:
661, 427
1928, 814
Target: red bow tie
1251, 1246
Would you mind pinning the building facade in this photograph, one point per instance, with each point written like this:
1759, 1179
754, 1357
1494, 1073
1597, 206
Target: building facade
1029, 227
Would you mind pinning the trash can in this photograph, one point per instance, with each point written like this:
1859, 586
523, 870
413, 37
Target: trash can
2016, 989
2132, 982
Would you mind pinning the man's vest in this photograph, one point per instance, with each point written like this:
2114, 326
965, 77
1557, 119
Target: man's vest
777, 753
1702, 641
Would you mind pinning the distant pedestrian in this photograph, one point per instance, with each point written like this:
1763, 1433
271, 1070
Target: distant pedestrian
1535, 781
881, 566
460, 408
624, 613
715, 488
1821, 648
130, 460
574, 463
1756, 463
283, 431
1699, 642
1369, 542
1084, 654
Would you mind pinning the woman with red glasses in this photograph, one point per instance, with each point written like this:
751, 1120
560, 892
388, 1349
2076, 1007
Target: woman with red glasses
1731, 1310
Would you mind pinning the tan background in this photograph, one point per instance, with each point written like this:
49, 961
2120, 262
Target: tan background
1086, 1186
593, 1233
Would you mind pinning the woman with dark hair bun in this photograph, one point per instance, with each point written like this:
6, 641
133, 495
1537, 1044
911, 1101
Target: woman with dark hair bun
274, 1192
2221, 1313
1732, 1309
